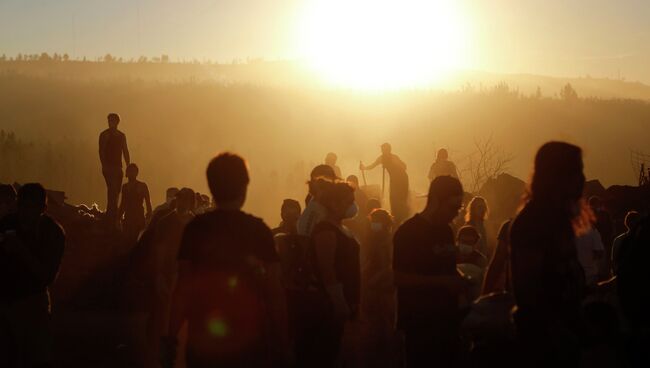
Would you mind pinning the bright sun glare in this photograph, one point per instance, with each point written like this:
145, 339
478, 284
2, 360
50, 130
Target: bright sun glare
382, 44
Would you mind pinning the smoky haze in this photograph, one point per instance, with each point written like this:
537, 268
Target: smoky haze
177, 116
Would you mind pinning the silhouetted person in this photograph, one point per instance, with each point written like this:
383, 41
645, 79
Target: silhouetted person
379, 291
497, 275
631, 219
336, 262
477, 212
428, 285
229, 287
31, 247
290, 213
135, 194
315, 211
330, 160
169, 204
164, 254
442, 166
399, 181
360, 196
548, 281
112, 146
7, 200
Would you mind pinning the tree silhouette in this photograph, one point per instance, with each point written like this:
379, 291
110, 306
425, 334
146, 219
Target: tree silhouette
568, 93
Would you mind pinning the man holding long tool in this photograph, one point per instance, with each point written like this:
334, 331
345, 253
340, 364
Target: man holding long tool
399, 181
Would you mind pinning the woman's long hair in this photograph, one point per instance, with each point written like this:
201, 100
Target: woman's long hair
472, 207
557, 185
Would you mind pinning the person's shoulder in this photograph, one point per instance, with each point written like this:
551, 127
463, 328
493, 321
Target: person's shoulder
52, 225
104, 133
409, 226
255, 221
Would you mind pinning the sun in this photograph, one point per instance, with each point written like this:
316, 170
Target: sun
382, 44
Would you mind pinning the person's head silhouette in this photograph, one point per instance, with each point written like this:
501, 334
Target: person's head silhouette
171, 193
557, 177
445, 198
113, 120
185, 200
290, 211
331, 159
477, 209
131, 172
353, 180
386, 149
442, 155
228, 180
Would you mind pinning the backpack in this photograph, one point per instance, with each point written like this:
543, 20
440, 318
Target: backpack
295, 260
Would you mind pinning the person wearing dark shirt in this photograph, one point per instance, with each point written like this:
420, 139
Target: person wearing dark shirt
112, 146
548, 281
31, 248
135, 194
229, 288
399, 181
428, 284
335, 260
290, 213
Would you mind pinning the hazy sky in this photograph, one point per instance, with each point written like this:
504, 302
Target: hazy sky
554, 37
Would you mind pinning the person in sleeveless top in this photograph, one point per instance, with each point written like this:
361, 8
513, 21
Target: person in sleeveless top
112, 146
135, 194
335, 256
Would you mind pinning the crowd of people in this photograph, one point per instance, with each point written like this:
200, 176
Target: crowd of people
344, 280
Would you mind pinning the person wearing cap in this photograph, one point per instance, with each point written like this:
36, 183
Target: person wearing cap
399, 181
315, 212
112, 147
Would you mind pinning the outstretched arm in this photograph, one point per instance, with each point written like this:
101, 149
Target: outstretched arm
371, 166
